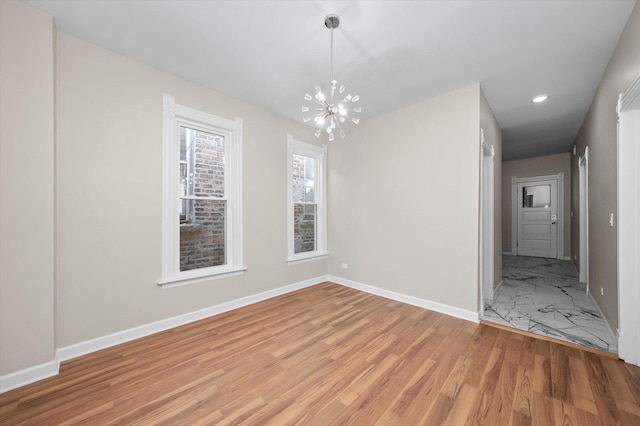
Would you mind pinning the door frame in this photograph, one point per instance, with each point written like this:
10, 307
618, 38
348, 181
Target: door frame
628, 227
487, 215
583, 212
560, 202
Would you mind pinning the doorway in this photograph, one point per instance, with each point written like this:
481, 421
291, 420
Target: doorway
583, 174
487, 219
540, 290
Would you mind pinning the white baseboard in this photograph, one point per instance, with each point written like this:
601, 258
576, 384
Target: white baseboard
567, 258
104, 342
507, 253
29, 375
43, 371
49, 369
411, 300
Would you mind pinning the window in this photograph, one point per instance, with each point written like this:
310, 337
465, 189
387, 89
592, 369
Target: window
306, 201
536, 196
202, 199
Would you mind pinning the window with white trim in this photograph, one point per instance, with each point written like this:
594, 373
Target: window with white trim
306, 201
202, 195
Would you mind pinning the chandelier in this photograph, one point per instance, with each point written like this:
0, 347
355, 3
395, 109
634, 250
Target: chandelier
331, 110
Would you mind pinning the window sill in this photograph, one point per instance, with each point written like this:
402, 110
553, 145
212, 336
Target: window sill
307, 257
178, 282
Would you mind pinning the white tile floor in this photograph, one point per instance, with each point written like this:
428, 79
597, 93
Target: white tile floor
544, 296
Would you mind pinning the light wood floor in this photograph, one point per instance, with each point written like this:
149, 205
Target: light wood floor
332, 355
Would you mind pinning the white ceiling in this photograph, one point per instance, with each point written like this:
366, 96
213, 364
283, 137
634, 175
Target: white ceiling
391, 53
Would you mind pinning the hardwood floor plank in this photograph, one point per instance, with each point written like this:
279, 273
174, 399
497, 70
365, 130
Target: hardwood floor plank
542, 382
328, 355
600, 386
456, 377
523, 392
463, 404
502, 399
542, 410
580, 393
560, 373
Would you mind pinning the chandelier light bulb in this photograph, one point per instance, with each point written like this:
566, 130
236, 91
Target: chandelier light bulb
328, 113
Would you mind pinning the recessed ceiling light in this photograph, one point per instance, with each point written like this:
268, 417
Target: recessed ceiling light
540, 98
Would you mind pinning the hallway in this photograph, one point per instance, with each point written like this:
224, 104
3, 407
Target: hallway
544, 296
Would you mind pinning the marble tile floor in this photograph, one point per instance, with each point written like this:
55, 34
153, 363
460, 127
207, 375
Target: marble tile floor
544, 296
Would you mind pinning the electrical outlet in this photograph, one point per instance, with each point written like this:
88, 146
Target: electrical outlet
575, 257
601, 291
345, 266
611, 220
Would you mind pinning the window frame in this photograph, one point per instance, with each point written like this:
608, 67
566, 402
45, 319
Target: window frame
319, 153
175, 116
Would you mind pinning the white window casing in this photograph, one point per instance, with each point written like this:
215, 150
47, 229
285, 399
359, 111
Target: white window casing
319, 154
175, 116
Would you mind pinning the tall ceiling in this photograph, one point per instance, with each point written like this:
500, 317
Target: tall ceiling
392, 53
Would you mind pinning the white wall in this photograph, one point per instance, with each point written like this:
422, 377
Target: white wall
109, 170
26, 187
403, 200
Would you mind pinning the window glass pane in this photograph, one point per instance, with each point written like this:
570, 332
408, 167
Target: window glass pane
298, 178
304, 227
309, 179
202, 240
536, 196
201, 163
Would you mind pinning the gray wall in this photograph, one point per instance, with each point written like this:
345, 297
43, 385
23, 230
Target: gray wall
599, 133
403, 200
109, 192
26, 187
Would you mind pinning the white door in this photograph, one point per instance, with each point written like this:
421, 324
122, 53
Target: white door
538, 218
